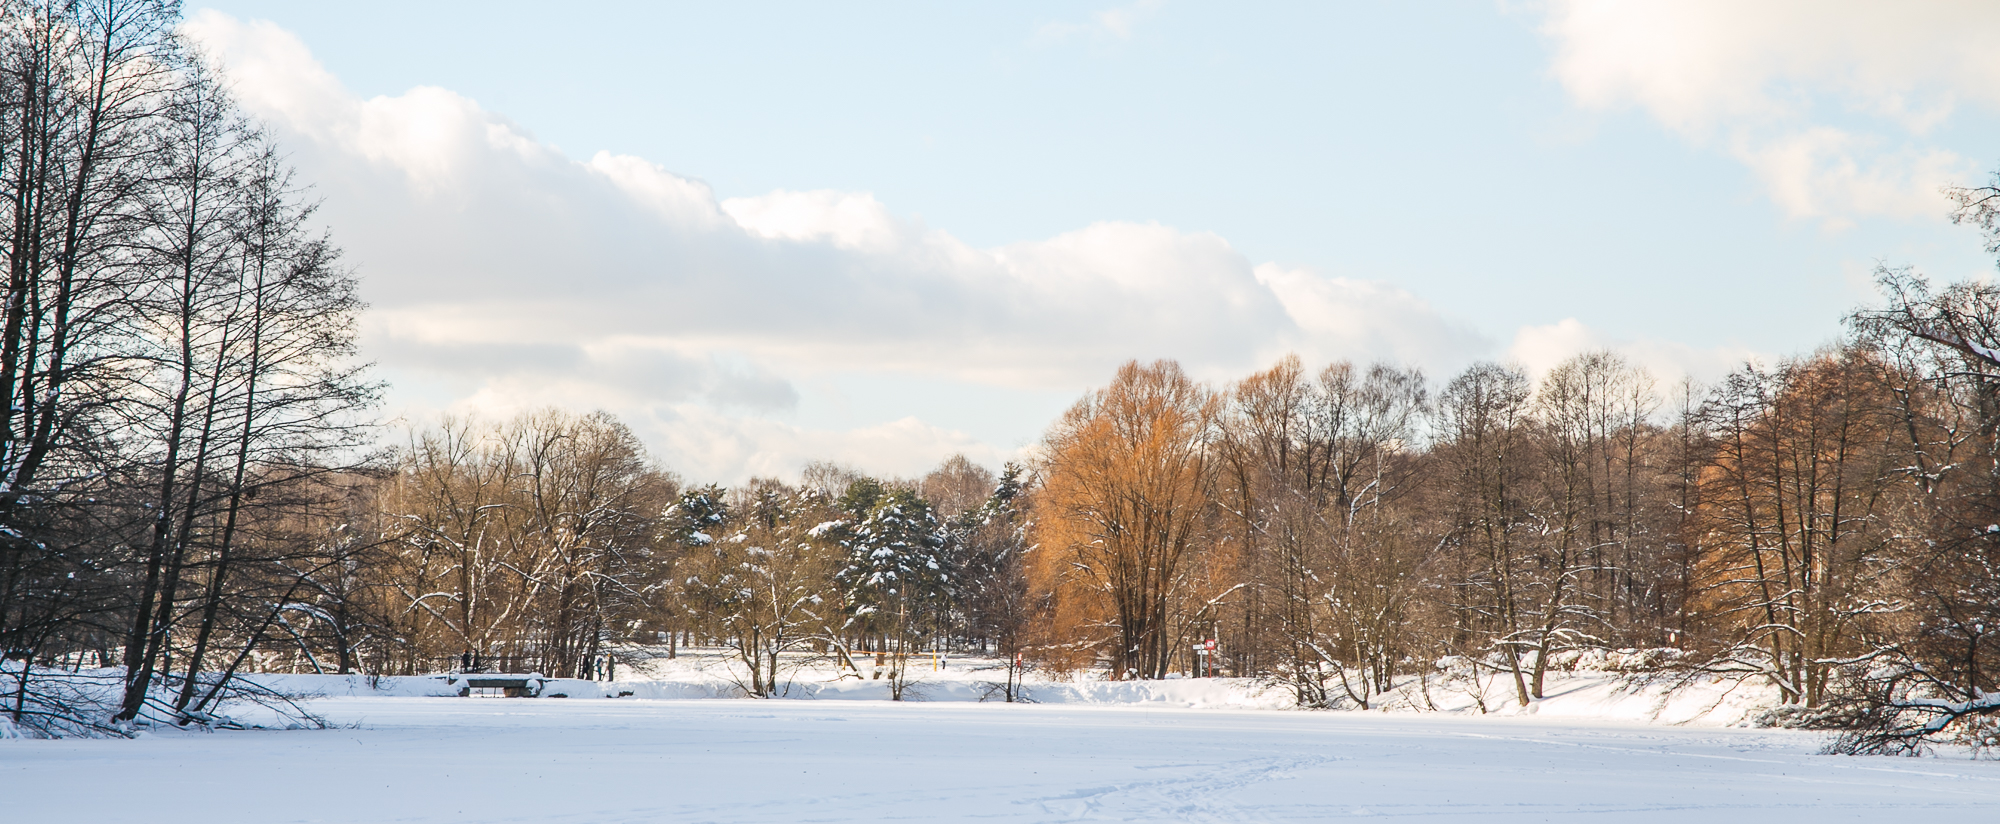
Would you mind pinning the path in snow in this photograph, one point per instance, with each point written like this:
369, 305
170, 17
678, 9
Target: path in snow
602, 761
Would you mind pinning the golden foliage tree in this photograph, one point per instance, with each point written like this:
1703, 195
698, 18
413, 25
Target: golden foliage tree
1122, 513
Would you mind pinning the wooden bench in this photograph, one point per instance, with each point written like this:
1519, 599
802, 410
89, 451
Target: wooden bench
511, 685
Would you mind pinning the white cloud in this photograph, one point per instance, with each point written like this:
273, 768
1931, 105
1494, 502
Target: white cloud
671, 197
1828, 173
1772, 83
1539, 349
845, 219
1365, 320
506, 276
906, 447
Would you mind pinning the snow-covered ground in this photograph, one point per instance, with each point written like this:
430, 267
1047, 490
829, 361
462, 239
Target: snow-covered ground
634, 760
1593, 692
1603, 745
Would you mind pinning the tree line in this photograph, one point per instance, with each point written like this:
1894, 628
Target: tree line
191, 485
1823, 524
551, 543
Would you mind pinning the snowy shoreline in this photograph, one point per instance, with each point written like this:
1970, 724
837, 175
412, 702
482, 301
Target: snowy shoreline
1581, 694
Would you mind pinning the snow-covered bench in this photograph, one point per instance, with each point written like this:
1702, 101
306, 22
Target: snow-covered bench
511, 685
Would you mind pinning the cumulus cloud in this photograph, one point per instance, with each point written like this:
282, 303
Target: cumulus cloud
1829, 102
506, 275
470, 229
906, 447
1539, 349
845, 219
1342, 318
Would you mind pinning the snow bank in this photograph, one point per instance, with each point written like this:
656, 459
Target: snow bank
1204, 693
1231, 693
1614, 686
1651, 698
439, 686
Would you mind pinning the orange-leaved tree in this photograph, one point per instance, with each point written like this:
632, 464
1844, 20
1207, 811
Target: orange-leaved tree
1121, 516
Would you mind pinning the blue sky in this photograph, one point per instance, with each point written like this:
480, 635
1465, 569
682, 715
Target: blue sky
1433, 183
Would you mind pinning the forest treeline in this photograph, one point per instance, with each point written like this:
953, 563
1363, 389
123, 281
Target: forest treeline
1825, 524
192, 485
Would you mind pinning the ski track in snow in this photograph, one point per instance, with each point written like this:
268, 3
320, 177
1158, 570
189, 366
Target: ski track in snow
609, 761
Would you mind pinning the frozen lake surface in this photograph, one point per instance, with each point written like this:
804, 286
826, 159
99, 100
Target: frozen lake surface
625, 760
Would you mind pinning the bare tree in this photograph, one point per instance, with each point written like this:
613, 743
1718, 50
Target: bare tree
1312, 470
1796, 524
1483, 422
528, 544
956, 486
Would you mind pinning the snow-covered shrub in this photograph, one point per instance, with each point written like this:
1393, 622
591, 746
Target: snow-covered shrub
1801, 717
1980, 734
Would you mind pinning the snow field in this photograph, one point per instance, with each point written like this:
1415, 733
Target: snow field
632, 760
1604, 745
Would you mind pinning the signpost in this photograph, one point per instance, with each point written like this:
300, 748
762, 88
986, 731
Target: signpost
1204, 659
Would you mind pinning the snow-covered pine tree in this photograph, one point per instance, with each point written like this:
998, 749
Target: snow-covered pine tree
759, 586
697, 516
690, 525
990, 585
895, 578
991, 606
